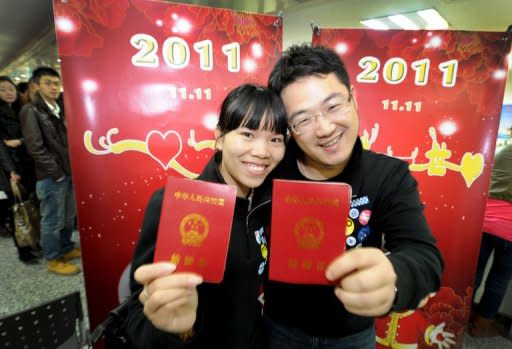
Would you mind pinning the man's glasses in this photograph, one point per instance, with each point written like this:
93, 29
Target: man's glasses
335, 110
50, 83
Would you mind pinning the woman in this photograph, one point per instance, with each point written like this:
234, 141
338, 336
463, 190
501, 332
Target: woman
177, 309
12, 140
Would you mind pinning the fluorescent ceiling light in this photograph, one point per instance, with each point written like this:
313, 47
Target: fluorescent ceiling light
424, 19
374, 24
433, 18
403, 22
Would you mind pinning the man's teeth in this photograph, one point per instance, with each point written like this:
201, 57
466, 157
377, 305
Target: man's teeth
331, 143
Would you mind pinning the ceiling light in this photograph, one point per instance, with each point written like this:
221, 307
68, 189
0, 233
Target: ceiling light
433, 18
423, 19
403, 22
375, 24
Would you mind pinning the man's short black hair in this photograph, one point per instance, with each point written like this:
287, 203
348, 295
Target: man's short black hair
305, 60
42, 71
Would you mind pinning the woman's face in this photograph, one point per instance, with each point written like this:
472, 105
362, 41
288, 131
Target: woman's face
7, 92
248, 156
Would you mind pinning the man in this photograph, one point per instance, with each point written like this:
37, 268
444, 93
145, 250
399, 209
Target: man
324, 146
44, 130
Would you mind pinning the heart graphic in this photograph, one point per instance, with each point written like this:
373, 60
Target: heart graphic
163, 147
471, 167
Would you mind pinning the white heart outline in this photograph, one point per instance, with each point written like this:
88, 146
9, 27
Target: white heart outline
164, 137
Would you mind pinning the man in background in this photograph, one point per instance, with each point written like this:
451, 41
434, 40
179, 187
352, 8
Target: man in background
497, 237
44, 129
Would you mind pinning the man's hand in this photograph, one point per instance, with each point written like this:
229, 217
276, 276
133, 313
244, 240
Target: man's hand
169, 299
365, 281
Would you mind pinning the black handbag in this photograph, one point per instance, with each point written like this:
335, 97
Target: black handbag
112, 329
27, 219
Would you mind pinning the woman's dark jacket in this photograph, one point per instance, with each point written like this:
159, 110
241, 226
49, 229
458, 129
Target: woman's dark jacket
229, 313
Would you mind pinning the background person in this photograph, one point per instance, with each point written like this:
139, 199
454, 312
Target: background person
44, 130
497, 237
18, 166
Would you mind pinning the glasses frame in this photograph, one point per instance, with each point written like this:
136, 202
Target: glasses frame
344, 104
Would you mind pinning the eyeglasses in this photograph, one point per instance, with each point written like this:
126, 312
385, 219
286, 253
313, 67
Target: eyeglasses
334, 110
50, 83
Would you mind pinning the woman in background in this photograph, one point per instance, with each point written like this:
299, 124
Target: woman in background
19, 164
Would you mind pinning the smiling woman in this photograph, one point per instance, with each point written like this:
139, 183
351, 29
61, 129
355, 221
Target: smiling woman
178, 306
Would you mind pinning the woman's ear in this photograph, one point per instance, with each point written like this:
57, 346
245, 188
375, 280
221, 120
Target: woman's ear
218, 139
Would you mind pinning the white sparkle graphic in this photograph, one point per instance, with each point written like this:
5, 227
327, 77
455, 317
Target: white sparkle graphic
447, 128
182, 26
341, 48
257, 50
434, 42
159, 22
250, 65
499, 74
210, 121
89, 86
65, 25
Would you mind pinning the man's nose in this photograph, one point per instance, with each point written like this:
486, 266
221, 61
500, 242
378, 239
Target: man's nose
324, 126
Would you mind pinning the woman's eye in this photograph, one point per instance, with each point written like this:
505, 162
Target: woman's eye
277, 139
246, 134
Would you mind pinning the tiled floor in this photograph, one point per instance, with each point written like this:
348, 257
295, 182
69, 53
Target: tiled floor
23, 286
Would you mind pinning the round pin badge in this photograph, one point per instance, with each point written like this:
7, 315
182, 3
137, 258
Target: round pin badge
353, 213
350, 227
351, 241
364, 217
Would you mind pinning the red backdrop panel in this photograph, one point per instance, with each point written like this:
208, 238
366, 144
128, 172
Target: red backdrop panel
434, 99
143, 85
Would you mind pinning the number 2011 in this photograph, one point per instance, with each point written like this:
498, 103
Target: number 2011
176, 53
395, 71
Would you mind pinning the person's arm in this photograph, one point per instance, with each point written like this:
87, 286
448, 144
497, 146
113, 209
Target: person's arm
370, 282
35, 145
414, 255
139, 328
5, 159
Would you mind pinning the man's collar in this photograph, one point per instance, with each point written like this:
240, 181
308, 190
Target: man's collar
54, 107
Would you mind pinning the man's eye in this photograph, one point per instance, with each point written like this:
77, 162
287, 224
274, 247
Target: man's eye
303, 122
334, 107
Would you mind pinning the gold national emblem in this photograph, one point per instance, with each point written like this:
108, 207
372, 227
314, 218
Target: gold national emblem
194, 229
309, 232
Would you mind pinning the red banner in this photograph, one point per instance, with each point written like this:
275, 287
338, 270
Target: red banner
143, 85
432, 98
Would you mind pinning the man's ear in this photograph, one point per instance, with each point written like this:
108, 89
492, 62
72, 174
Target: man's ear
354, 96
218, 139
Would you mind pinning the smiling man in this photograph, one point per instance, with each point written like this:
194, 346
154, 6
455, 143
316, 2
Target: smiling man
44, 129
324, 123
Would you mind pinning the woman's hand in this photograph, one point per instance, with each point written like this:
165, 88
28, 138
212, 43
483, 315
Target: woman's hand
13, 143
170, 299
15, 177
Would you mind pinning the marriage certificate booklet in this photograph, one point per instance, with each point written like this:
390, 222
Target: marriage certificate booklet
195, 226
308, 229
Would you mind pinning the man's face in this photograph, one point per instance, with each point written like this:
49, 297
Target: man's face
49, 87
328, 145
